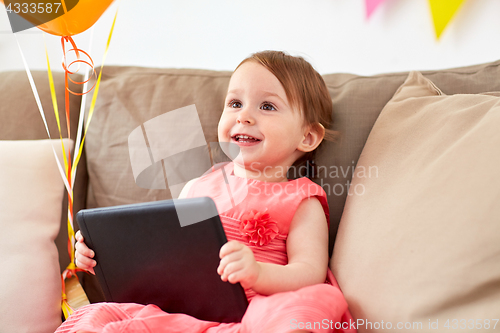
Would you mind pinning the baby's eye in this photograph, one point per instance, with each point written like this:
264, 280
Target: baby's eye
268, 107
234, 104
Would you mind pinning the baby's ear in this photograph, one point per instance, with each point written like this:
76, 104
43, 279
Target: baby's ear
313, 135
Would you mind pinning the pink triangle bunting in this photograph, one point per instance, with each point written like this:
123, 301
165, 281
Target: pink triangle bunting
371, 5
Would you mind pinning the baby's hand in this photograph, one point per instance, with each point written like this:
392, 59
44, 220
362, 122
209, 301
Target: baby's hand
83, 254
238, 264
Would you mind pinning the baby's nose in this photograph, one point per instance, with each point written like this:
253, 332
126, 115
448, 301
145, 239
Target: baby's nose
245, 117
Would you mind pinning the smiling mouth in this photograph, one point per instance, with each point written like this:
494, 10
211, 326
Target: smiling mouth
244, 138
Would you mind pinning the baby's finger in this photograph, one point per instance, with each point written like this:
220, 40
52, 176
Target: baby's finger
228, 258
235, 277
79, 236
229, 247
90, 270
83, 249
231, 271
84, 262
222, 266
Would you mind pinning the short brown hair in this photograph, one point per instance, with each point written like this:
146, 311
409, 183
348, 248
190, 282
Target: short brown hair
304, 88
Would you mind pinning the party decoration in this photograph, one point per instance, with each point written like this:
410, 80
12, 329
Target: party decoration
56, 17
78, 17
442, 13
70, 271
371, 5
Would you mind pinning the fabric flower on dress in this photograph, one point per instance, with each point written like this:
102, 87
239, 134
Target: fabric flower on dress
258, 228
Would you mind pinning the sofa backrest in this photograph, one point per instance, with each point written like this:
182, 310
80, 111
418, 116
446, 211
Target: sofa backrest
131, 96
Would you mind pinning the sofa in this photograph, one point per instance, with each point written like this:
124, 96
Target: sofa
413, 186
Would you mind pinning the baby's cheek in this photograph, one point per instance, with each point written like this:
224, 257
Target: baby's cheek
226, 122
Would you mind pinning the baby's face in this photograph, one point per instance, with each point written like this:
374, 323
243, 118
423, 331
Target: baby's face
259, 119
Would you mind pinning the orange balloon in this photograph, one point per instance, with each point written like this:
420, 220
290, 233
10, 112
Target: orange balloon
77, 20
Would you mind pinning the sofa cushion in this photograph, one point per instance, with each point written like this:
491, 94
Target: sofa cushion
21, 120
357, 102
30, 212
418, 239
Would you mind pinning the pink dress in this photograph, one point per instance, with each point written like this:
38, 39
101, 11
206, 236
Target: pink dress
258, 214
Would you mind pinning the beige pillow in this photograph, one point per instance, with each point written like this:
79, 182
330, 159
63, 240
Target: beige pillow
358, 101
20, 120
419, 239
31, 193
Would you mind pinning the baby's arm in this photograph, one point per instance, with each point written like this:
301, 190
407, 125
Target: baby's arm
307, 249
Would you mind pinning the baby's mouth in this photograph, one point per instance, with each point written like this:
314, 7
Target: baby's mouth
245, 138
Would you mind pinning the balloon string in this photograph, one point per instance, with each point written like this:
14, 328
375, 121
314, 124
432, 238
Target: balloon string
82, 108
56, 112
68, 273
78, 52
67, 161
72, 269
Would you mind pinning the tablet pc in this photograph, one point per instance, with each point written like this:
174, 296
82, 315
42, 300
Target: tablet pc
164, 253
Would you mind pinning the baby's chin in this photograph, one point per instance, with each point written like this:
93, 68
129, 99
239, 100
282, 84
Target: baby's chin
240, 161
249, 165
246, 164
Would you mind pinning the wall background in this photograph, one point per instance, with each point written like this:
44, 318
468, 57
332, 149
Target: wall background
333, 34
